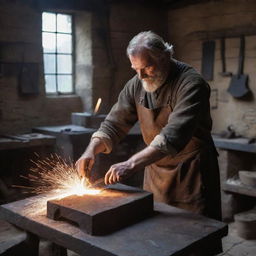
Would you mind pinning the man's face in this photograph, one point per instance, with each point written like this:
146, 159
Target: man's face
150, 72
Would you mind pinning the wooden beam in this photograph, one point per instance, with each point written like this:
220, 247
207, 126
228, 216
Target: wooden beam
246, 30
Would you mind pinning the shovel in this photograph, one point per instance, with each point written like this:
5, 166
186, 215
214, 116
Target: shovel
238, 85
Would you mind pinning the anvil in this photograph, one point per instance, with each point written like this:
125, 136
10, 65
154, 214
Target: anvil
114, 208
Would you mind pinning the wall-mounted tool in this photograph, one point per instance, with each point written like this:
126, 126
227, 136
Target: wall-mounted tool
208, 59
224, 73
29, 79
239, 83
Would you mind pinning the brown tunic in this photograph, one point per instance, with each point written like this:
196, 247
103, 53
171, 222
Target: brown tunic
176, 120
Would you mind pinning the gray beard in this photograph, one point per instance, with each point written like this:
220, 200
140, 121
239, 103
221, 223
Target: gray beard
153, 85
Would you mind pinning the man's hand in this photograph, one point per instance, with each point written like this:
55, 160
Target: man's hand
119, 172
84, 164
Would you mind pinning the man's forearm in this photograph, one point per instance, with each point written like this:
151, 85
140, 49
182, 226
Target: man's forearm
96, 146
120, 171
145, 157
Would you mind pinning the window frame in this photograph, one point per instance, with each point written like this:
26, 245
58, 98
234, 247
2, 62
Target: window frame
56, 54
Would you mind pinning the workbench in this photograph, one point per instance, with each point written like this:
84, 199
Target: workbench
16, 153
29, 140
171, 231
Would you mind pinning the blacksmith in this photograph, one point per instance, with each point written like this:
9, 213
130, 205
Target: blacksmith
170, 99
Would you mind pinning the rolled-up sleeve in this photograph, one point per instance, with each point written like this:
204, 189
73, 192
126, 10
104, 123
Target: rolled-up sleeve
189, 108
120, 120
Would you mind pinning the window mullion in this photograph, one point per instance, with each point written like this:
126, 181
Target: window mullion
56, 55
62, 64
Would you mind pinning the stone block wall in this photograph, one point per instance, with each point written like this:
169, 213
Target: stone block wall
188, 27
127, 20
101, 65
21, 42
111, 32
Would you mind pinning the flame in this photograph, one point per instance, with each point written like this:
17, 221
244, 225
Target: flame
97, 106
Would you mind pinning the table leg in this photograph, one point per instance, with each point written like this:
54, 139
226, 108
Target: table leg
58, 250
32, 244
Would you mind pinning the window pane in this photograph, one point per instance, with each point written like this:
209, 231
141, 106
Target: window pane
64, 64
49, 22
64, 43
64, 23
49, 63
49, 42
50, 83
65, 83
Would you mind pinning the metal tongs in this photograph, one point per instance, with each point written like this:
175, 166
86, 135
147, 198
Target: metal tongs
97, 183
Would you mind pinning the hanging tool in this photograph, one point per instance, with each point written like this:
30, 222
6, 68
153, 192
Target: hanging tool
238, 86
224, 73
208, 48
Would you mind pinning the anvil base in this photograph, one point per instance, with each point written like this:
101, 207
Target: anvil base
114, 208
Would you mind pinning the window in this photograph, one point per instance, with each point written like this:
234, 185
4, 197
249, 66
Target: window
58, 52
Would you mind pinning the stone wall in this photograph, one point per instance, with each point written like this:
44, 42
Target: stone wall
101, 65
20, 42
190, 26
111, 33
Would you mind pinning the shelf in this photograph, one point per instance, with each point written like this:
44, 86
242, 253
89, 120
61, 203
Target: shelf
238, 144
235, 186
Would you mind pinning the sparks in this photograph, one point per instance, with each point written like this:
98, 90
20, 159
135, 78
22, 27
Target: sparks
53, 174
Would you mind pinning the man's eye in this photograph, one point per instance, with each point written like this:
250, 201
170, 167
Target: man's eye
148, 68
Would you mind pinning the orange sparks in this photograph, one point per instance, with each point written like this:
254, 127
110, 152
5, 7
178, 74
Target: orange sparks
54, 174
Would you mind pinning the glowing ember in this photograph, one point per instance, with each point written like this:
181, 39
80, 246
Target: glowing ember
97, 106
56, 175
82, 189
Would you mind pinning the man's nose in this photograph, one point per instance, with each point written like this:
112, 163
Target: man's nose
142, 74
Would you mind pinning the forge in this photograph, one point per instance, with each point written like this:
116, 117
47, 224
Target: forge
115, 207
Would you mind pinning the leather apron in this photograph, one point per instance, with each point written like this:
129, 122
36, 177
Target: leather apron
188, 180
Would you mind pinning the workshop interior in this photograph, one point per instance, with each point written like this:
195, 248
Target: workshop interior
63, 65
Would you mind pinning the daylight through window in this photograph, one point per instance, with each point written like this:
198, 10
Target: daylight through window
58, 52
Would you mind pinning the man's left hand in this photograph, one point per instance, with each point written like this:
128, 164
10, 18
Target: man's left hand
119, 172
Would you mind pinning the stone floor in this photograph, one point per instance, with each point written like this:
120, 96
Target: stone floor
233, 245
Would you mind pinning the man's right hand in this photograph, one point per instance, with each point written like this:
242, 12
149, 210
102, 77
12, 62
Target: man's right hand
84, 164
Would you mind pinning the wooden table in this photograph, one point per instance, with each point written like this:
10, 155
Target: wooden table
29, 140
171, 231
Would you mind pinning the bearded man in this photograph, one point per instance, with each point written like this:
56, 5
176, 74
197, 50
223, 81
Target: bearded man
170, 100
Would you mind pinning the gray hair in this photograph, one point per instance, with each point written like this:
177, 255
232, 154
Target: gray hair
150, 41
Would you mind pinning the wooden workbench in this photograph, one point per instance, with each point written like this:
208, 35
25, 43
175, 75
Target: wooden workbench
10, 142
171, 231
